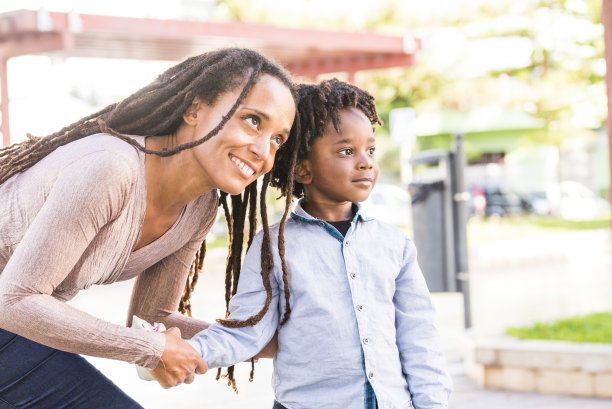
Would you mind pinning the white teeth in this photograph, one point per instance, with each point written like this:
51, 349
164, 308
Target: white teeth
246, 169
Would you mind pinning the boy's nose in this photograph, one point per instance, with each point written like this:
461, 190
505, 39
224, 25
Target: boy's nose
366, 162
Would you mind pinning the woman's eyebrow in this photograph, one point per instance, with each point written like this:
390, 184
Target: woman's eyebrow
260, 113
267, 118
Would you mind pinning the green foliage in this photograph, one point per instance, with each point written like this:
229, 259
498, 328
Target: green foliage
550, 222
595, 327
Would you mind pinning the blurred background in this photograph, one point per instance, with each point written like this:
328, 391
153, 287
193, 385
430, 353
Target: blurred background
514, 91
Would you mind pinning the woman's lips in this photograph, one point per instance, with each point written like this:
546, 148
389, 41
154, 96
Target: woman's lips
246, 170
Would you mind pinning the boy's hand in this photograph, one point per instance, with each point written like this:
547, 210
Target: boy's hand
179, 362
269, 350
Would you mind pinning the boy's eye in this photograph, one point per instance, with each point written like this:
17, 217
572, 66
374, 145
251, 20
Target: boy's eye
371, 150
346, 151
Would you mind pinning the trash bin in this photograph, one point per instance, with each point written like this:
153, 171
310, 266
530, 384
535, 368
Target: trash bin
439, 220
432, 226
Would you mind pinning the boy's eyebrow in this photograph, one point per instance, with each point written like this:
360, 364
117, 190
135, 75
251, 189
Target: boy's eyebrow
266, 117
349, 140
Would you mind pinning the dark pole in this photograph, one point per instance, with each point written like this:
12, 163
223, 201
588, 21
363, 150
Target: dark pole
460, 213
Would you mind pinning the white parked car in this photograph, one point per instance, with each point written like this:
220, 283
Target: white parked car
574, 201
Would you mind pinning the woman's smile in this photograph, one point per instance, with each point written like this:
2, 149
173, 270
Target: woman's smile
245, 169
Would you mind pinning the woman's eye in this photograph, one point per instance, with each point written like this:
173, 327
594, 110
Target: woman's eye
253, 120
278, 140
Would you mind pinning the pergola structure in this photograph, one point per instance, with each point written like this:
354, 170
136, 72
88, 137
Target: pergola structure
303, 52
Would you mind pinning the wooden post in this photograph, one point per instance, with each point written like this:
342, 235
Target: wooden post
4, 104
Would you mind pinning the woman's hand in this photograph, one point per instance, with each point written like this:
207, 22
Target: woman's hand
179, 362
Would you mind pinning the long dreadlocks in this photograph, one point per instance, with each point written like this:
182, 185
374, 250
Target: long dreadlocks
157, 109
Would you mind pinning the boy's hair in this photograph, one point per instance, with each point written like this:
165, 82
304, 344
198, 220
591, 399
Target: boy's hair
318, 104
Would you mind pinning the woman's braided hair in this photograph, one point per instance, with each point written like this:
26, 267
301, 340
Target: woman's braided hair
156, 110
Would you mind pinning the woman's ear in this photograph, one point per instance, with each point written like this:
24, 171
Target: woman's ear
302, 172
191, 113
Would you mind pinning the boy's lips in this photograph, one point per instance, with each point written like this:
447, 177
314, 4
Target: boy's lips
366, 179
364, 182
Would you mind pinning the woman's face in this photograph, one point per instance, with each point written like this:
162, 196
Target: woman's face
244, 149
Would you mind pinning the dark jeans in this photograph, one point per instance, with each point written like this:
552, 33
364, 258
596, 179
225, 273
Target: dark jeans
35, 376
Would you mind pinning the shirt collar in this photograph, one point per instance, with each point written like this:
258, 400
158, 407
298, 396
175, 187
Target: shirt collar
299, 213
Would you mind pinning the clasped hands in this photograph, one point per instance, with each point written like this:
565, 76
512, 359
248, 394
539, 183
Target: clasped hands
179, 362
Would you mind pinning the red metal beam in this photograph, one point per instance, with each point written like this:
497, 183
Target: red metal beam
349, 64
37, 43
151, 38
263, 34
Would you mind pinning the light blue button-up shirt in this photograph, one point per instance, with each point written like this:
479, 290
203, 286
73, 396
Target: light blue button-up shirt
363, 292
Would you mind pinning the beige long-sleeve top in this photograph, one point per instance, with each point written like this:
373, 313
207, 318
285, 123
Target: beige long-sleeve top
71, 221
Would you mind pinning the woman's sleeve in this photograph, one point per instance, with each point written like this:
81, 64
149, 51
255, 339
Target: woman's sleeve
87, 194
418, 341
158, 290
224, 346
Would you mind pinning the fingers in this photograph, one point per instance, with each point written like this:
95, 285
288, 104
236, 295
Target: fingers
179, 361
201, 366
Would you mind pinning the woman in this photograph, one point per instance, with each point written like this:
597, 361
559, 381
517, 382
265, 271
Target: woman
98, 202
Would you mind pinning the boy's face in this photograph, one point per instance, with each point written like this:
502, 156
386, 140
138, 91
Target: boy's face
341, 167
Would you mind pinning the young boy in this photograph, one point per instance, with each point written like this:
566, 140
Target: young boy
360, 333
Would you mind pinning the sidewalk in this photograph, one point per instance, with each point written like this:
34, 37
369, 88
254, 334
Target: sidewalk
513, 283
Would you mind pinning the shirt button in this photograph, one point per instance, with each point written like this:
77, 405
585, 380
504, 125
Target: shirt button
346, 243
353, 276
371, 375
366, 341
321, 224
360, 307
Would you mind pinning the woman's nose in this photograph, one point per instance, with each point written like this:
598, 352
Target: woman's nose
261, 148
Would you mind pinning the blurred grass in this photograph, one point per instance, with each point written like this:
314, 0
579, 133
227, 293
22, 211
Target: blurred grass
218, 241
595, 327
481, 230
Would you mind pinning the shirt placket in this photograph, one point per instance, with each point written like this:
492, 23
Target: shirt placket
358, 295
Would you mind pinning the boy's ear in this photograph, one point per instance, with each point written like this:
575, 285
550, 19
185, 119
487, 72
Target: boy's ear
191, 113
302, 172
